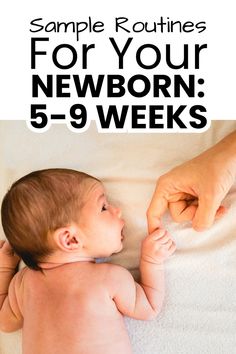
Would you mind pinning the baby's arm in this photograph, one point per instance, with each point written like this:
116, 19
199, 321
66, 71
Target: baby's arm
144, 301
9, 319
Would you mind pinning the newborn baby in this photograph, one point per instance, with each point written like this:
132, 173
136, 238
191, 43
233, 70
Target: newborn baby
59, 221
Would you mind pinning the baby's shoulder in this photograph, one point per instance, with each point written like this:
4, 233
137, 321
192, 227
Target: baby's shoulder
112, 272
17, 283
20, 275
113, 277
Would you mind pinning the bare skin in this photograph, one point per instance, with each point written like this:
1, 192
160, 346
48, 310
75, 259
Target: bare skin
76, 304
194, 190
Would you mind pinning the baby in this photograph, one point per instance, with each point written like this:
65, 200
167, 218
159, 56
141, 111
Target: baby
59, 221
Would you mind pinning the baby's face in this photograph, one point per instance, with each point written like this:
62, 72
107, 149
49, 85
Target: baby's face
100, 223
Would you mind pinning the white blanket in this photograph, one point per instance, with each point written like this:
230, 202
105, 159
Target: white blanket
199, 315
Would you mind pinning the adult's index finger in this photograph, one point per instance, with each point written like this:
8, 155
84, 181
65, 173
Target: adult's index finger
156, 209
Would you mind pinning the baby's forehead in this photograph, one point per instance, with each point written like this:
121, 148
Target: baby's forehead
93, 189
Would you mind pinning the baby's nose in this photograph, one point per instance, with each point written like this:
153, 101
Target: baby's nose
118, 212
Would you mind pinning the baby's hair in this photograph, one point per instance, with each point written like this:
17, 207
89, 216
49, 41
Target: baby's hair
40, 203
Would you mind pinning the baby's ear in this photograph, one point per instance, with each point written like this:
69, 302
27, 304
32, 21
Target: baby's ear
67, 238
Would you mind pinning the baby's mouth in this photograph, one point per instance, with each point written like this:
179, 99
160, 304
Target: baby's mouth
122, 234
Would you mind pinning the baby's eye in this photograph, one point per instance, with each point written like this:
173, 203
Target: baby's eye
104, 207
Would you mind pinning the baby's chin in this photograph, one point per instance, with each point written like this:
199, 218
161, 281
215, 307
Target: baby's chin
120, 248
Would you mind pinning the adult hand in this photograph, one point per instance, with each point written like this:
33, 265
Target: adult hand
194, 190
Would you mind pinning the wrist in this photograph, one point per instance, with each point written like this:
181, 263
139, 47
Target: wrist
155, 262
226, 151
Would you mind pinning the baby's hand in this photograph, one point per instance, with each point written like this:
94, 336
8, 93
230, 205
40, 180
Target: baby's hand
157, 247
8, 258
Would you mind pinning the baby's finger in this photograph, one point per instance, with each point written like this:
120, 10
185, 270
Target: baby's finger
2, 243
158, 234
7, 248
163, 240
167, 244
172, 248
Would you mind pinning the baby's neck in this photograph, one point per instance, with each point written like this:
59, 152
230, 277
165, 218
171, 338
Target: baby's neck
61, 258
50, 265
